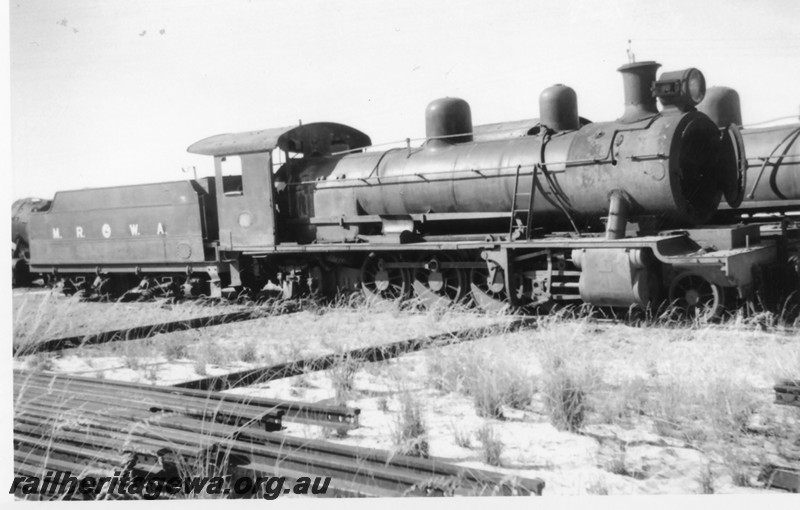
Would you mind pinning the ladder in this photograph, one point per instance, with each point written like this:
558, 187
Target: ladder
521, 222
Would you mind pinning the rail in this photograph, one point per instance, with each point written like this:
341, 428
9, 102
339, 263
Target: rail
226, 407
139, 332
84, 433
366, 354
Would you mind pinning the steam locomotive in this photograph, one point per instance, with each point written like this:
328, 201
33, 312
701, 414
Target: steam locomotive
527, 213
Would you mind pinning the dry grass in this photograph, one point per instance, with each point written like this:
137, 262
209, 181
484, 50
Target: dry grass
737, 462
492, 446
707, 479
461, 437
567, 380
276, 338
410, 433
707, 385
704, 386
598, 488
44, 315
623, 402
342, 377
248, 352
490, 376
176, 349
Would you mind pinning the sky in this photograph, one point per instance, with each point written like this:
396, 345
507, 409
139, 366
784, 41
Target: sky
111, 92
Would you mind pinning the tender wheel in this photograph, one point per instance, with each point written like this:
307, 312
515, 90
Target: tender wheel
437, 285
696, 296
381, 282
75, 286
65, 286
488, 288
103, 287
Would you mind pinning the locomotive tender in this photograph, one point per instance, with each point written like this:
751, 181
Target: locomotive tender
505, 213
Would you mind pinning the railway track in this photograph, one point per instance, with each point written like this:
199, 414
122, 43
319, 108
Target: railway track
99, 427
141, 332
366, 354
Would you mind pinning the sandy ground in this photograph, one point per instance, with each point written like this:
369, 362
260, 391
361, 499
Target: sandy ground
666, 410
627, 456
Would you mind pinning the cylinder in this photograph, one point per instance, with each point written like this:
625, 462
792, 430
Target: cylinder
448, 121
722, 105
637, 80
558, 108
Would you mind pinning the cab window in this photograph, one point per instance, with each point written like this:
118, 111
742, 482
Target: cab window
231, 175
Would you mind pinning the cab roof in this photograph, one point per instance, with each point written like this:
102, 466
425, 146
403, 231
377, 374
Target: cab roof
319, 138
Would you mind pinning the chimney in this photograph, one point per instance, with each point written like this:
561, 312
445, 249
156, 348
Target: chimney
637, 79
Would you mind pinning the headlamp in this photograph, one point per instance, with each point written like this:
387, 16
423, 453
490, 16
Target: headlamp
681, 89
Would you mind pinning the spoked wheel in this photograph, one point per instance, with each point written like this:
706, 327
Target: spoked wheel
436, 285
103, 287
488, 288
64, 286
696, 296
74, 286
380, 281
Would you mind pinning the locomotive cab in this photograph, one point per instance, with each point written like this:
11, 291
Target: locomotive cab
250, 201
